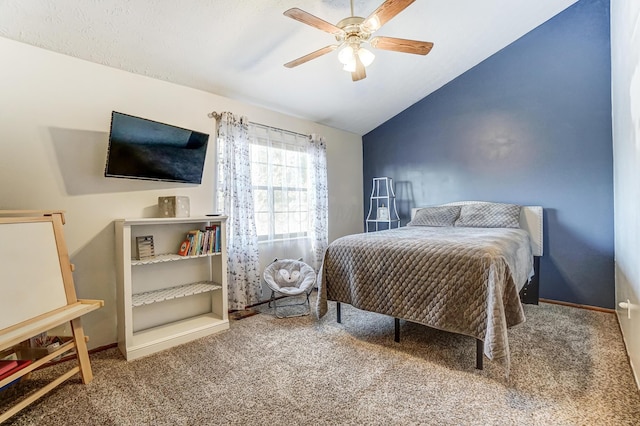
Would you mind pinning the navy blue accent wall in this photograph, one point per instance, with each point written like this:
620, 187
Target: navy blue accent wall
530, 125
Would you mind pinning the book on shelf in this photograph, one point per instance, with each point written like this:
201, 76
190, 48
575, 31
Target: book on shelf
192, 237
215, 236
206, 244
7, 365
199, 242
144, 247
184, 248
16, 365
211, 232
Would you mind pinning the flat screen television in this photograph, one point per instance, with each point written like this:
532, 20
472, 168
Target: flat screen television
144, 149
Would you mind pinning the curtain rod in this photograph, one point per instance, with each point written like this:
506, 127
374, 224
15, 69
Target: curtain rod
217, 116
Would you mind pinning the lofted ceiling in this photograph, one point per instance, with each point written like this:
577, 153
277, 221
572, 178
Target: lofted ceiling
237, 48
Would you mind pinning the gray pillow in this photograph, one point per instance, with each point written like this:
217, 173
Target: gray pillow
436, 216
489, 215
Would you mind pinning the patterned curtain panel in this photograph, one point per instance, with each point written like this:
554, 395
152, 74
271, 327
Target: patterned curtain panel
319, 198
235, 198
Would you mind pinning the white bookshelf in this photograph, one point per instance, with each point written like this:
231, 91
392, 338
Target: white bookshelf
169, 299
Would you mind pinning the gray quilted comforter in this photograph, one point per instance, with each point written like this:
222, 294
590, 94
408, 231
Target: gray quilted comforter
462, 280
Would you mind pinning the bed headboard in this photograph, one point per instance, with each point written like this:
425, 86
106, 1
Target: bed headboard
530, 221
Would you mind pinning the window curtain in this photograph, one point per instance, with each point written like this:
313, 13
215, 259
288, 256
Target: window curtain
319, 198
235, 199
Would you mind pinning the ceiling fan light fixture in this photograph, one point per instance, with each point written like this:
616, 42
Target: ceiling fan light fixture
352, 32
351, 65
366, 56
345, 55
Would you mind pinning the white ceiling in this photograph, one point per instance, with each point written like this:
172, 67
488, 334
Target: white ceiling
237, 48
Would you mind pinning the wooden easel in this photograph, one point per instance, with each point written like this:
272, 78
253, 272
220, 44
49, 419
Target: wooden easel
37, 293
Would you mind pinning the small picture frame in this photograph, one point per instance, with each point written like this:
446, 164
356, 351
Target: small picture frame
144, 247
383, 213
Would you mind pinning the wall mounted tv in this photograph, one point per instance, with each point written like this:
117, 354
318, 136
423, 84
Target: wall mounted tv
146, 149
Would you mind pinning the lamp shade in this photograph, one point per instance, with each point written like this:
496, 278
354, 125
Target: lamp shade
366, 56
346, 55
351, 65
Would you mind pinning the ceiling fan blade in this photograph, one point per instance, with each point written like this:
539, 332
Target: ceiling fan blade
401, 45
360, 72
384, 13
306, 58
314, 21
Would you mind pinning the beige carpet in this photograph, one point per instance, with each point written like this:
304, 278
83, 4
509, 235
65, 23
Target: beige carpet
568, 368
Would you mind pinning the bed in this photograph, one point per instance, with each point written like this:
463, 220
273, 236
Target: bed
460, 267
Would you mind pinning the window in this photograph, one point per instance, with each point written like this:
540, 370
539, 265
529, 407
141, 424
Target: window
280, 183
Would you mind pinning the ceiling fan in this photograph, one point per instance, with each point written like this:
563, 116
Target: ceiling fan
354, 31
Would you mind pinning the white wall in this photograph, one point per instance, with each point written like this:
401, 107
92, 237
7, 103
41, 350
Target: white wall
54, 125
625, 63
